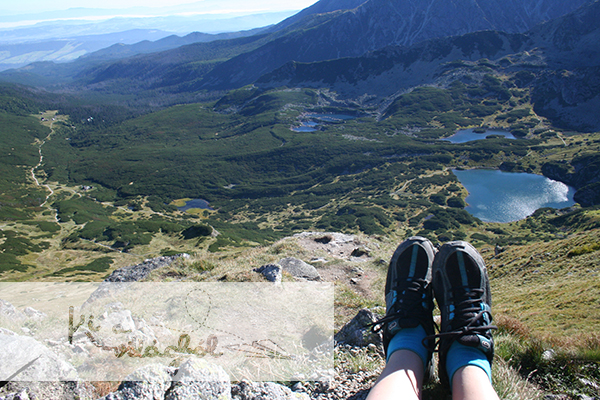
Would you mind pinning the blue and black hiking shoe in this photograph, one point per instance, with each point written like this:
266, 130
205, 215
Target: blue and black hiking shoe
462, 290
408, 293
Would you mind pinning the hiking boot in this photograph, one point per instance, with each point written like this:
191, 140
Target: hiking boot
408, 294
462, 291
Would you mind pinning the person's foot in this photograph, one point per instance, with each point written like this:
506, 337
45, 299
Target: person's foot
408, 294
462, 290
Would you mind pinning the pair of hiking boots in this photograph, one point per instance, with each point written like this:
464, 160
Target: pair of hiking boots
456, 275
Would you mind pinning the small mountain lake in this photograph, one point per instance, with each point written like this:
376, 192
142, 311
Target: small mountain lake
468, 135
310, 122
498, 196
195, 203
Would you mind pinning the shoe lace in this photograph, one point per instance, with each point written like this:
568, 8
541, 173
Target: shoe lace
407, 305
468, 317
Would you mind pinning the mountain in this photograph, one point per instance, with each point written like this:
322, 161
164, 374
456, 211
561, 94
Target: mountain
379, 23
121, 50
540, 56
16, 55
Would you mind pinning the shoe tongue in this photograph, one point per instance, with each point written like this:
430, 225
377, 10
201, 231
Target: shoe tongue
413, 264
462, 271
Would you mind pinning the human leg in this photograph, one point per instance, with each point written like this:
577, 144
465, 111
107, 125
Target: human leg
472, 383
403, 374
408, 320
466, 346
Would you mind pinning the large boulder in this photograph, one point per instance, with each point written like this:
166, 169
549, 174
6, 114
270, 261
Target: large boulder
24, 359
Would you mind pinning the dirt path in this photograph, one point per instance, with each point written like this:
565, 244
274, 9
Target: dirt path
41, 144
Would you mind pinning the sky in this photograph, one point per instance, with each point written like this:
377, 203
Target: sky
34, 6
24, 13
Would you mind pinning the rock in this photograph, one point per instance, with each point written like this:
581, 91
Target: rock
299, 269
19, 351
360, 251
357, 332
199, 379
47, 390
9, 311
34, 314
35, 372
270, 271
138, 272
194, 379
148, 382
264, 391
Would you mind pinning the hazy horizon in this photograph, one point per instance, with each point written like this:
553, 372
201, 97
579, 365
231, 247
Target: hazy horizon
34, 13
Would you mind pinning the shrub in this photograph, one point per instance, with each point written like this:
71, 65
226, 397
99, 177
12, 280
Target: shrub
456, 202
196, 231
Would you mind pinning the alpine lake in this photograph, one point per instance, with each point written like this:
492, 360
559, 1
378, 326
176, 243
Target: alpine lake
499, 196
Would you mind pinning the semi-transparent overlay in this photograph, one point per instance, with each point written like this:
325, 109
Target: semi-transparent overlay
107, 331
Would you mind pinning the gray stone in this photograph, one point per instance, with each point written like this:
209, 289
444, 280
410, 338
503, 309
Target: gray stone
357, 332
201, 380
148, 382
264, 391
299, 269
47, 390
37, 362
139, 272
195, 379
270, 271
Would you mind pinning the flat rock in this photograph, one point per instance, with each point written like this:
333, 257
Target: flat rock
299, 269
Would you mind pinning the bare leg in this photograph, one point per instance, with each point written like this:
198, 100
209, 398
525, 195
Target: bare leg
472, 383
401, 378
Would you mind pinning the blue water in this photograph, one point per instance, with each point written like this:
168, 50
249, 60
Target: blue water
195, 203
307, 126
497, 196
467, 135
332, 117
311, 124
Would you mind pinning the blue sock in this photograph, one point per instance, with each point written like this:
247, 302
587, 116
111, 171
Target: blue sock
409, 339
460, 355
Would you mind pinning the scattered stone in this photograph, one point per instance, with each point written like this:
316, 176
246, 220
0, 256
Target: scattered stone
270, 271
264, 391
299, 269
47, 390
34, 314
358, 332
548, 355
9, 311
195, 379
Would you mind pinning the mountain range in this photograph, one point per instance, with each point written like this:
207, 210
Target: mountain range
374, 47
